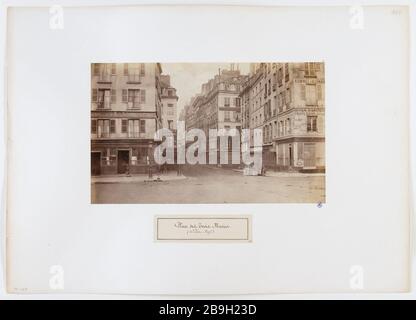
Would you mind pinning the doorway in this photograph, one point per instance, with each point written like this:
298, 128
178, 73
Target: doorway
95, 163
290, 155
123, 158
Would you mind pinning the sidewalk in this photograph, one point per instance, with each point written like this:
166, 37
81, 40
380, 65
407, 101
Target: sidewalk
282, 174
122, 178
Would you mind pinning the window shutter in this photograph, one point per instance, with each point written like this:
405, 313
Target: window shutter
126, 69
142, 126
96, 69
124, 98
94, 95
112, 126
94, 126
124, 126
113, 96
143, 96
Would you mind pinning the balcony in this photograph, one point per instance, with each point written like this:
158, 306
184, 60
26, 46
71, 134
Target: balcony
105, 79
134, 105
133, 79
104, 104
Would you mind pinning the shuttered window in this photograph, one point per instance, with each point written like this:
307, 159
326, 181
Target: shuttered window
112, 126
124, 126
93, 126
125, 95
94, 94
133, 128
96, 69
142, 126
312, 124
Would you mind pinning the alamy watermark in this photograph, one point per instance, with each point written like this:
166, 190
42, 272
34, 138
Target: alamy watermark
193, 147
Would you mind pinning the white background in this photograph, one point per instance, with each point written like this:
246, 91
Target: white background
296, 248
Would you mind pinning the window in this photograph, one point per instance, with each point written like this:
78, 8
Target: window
93, 126
170, 105
280, 77
237, 102
96, 69
170, 124
310, 69
133, 128
142, 126
112, 126
103, 98
226, 102
103, 129
134, 98
312, 124
134, 70
289, 126
113, 69
124, 97
286, 72
113, 96
94, 95
288, 96
123, 126
227, 115
143, 96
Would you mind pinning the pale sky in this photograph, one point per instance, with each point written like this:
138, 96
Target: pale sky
187, 78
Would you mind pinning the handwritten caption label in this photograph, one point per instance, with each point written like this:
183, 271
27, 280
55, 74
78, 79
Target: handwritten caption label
234, 228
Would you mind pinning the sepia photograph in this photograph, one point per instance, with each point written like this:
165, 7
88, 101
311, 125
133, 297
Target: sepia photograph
208, 133
185, 150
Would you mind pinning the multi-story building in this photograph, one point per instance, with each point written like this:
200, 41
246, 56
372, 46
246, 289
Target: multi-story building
286, 101
169, 104
218, 105
126, 111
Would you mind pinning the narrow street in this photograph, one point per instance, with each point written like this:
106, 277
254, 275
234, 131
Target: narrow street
204, 184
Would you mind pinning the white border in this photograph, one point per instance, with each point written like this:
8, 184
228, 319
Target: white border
3, 138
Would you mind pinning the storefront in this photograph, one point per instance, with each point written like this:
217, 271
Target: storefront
121, 156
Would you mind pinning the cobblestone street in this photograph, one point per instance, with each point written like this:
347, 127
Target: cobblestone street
214, 185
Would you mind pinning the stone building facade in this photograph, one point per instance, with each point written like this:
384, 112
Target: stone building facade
169, 104
217, 106
286, 101
126, 111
